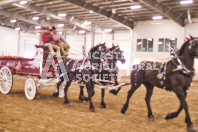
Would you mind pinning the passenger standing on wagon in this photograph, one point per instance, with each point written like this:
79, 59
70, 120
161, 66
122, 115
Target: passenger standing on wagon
48, 41
64, 46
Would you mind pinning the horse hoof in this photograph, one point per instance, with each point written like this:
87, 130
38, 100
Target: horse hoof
55, 94
114, 92
92, 110
123, 110
104, 106
151, 118
86, 99
168, 116
67, 104
191, 128
83, 98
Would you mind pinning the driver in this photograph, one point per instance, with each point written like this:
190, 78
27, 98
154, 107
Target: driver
48, 41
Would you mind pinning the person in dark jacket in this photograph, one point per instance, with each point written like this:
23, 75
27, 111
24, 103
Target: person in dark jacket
48, 41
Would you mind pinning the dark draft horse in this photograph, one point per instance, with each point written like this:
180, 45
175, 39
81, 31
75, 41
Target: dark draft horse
176, 81
113, 55
76, 70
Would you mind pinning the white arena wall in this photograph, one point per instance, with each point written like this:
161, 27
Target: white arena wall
126, 39
8, 41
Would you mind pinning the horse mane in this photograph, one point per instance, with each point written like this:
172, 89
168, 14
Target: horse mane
181, 50
93, 49
112, 48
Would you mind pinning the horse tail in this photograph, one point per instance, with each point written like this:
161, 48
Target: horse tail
138, 74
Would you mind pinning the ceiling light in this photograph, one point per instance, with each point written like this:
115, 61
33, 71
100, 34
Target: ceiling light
37, 27
17, 29
86, 23
60, 32
114, 11
90, 11
108, 30
136, 7
35, 18
12, 21
61, 25
186, 1
62, 14
23, 2
82, 31
38, 34
157, 17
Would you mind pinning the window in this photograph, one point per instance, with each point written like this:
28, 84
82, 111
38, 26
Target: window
150, 45
145, 45
163, 44
139, 44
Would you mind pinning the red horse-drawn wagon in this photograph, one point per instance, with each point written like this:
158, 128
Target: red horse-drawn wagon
39, 71
33, 68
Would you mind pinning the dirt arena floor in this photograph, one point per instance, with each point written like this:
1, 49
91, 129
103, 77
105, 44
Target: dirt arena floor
49, 114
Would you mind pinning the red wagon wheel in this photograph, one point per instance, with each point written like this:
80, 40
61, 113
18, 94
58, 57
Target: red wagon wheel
6, 80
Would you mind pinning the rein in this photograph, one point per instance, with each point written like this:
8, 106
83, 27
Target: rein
177, 62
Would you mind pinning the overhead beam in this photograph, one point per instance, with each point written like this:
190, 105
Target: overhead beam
109, 14
165, 11
5, 2
13, 25
47, 12
24, 18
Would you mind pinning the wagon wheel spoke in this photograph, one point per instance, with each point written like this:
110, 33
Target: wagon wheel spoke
9, 84
28, 85
4, 73
4, 86
1, 76
9, 81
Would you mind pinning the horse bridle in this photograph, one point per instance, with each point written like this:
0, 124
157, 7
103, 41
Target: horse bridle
181, 66
192, 43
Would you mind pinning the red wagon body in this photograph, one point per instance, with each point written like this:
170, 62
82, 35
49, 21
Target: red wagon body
32, 67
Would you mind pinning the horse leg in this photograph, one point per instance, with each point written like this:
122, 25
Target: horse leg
65, 91
103, 105
181, 96
81, 95
56, 94
149, 93
175, 114
130, 93
90, 91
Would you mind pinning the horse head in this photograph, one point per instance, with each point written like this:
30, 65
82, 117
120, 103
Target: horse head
193, 46
117, 53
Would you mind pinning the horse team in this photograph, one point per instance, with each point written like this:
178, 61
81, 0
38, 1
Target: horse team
101, 65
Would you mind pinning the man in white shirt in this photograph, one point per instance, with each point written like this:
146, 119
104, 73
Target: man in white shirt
64, 46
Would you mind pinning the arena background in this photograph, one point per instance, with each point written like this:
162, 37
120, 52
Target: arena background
47, 113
